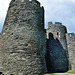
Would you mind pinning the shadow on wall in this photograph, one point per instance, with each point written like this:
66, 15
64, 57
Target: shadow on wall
56, 59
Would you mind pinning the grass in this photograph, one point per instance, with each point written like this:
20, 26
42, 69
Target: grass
51, 74
71, 71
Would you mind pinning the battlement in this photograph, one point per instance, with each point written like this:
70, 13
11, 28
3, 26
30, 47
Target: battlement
56, 23
24, 0
50, 23
32, 6
33, 2
70, 35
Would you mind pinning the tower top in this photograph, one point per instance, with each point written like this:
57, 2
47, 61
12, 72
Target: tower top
26, 2
56, 23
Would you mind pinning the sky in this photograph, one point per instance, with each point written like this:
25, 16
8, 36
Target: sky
55, 11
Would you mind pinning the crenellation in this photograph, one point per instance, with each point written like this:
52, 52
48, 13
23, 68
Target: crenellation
56, 28
49, 23
70, 35
58, 23
27, 2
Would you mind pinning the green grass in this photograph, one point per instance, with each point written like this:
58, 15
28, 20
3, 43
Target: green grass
71, 71
51, 74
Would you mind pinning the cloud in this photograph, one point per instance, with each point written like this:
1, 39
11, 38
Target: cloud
3, 10
55, 10
61, 11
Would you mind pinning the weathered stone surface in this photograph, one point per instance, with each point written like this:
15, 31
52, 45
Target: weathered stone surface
23, 42
56, 54
24, 39
71, 49
1, 54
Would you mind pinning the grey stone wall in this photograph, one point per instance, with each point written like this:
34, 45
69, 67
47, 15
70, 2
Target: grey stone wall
1, 55
24, 39
57, 53
23, 42
71, 49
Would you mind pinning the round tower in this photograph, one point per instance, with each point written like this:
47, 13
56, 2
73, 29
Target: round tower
24, 39
56, 55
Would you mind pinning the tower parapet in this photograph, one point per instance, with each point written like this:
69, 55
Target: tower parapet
57, 52
56, 28
58, 23
24, 39
70, 36
26, 2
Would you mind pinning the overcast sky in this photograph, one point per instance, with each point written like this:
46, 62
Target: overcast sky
55, 11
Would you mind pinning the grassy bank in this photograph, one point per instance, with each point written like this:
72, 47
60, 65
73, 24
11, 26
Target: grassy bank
51, 74
71, 71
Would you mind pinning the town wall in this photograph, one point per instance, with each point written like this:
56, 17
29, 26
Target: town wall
71, 49
57, 53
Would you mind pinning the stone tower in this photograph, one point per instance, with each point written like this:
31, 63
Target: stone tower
1, 55
71, 49
23, 39
56, 54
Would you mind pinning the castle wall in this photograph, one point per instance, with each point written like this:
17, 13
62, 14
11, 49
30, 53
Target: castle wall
1, 55
24, 39
71, 49
57, 53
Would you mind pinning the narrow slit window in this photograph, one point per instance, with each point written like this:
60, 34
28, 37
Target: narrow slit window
70, 35
57, 35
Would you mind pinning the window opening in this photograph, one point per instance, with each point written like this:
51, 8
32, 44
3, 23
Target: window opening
70, 35
26, 44
57, 35
0, 72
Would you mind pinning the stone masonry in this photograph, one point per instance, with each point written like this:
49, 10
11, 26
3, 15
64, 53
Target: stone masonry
71, 49
56, 54
1, 55
23, 39
26, 48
